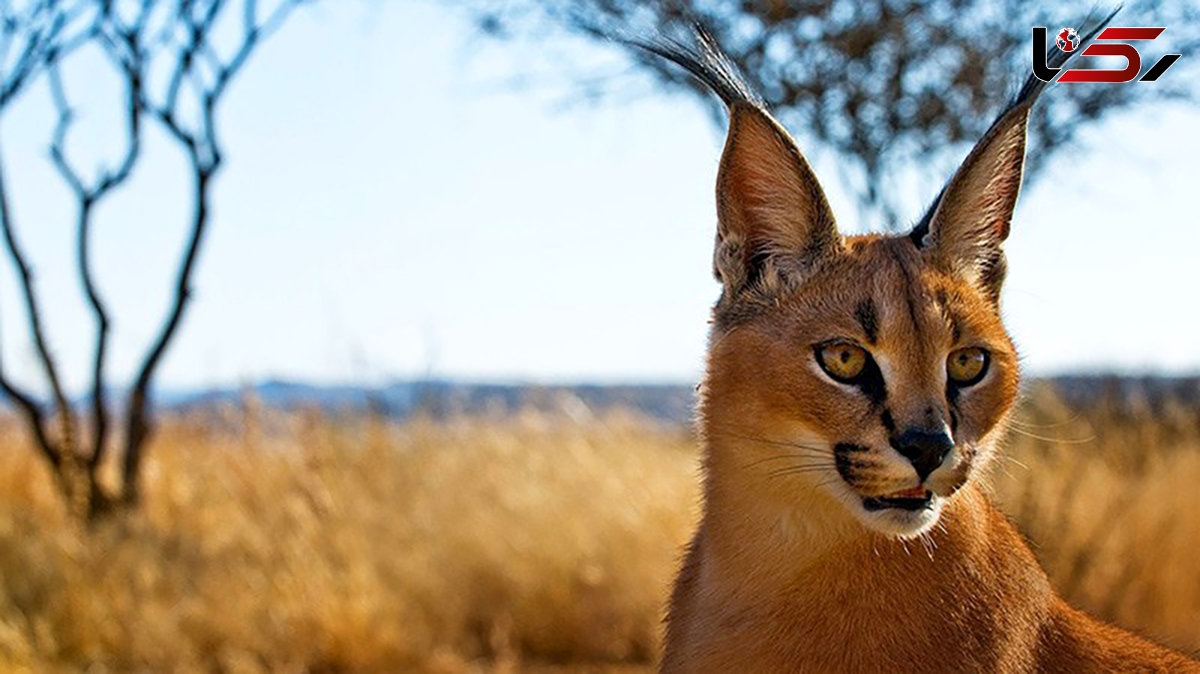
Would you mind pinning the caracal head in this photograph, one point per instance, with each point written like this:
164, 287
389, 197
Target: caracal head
871, 370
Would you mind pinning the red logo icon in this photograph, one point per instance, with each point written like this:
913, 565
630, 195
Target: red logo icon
1067, 39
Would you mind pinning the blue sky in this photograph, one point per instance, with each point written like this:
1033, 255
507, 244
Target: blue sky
404, 197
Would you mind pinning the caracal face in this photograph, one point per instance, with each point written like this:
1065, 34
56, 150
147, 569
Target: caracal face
881, 381
872, 369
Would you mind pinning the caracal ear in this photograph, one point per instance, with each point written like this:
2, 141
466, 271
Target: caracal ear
774, 221
964, 231
971, 221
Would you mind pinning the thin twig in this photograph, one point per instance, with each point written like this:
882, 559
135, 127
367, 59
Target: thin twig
34, 314
203, 149
34, 415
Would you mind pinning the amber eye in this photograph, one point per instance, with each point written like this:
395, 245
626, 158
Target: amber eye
842, 361
967, 366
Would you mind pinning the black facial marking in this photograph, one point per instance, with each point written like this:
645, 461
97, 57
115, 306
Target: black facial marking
843, 454
889, 424
912, 304
872, 385
943, 301
911, 286
867, 317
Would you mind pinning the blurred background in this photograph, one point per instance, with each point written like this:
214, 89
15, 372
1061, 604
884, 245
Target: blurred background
362, 335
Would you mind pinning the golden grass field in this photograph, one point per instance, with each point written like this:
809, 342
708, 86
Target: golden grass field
305, 543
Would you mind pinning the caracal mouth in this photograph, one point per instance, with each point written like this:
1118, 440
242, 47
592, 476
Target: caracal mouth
912, 500
903, 514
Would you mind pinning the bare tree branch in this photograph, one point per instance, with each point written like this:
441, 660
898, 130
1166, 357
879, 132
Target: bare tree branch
34, 415
34, 314
45, 31
890, 87
204, 153
174, 37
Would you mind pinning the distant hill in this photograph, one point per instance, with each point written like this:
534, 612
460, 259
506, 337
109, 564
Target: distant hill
666, 402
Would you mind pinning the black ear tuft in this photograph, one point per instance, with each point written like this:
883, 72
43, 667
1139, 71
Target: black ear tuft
705, 61
773, 218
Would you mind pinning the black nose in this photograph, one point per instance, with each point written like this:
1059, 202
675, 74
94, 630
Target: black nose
925, 449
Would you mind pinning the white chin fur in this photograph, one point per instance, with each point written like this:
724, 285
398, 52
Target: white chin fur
894, 522
899, 523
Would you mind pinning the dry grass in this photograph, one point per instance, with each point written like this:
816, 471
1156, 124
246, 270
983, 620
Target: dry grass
1108, 495
305, 544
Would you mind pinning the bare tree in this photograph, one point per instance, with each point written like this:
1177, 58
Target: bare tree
173, 74
886, 85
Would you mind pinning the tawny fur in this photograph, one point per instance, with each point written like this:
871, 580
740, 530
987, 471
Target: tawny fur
790, 570
780, 577
972, 599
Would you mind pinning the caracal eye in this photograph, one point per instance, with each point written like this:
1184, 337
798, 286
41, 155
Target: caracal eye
967, 366
842, 361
